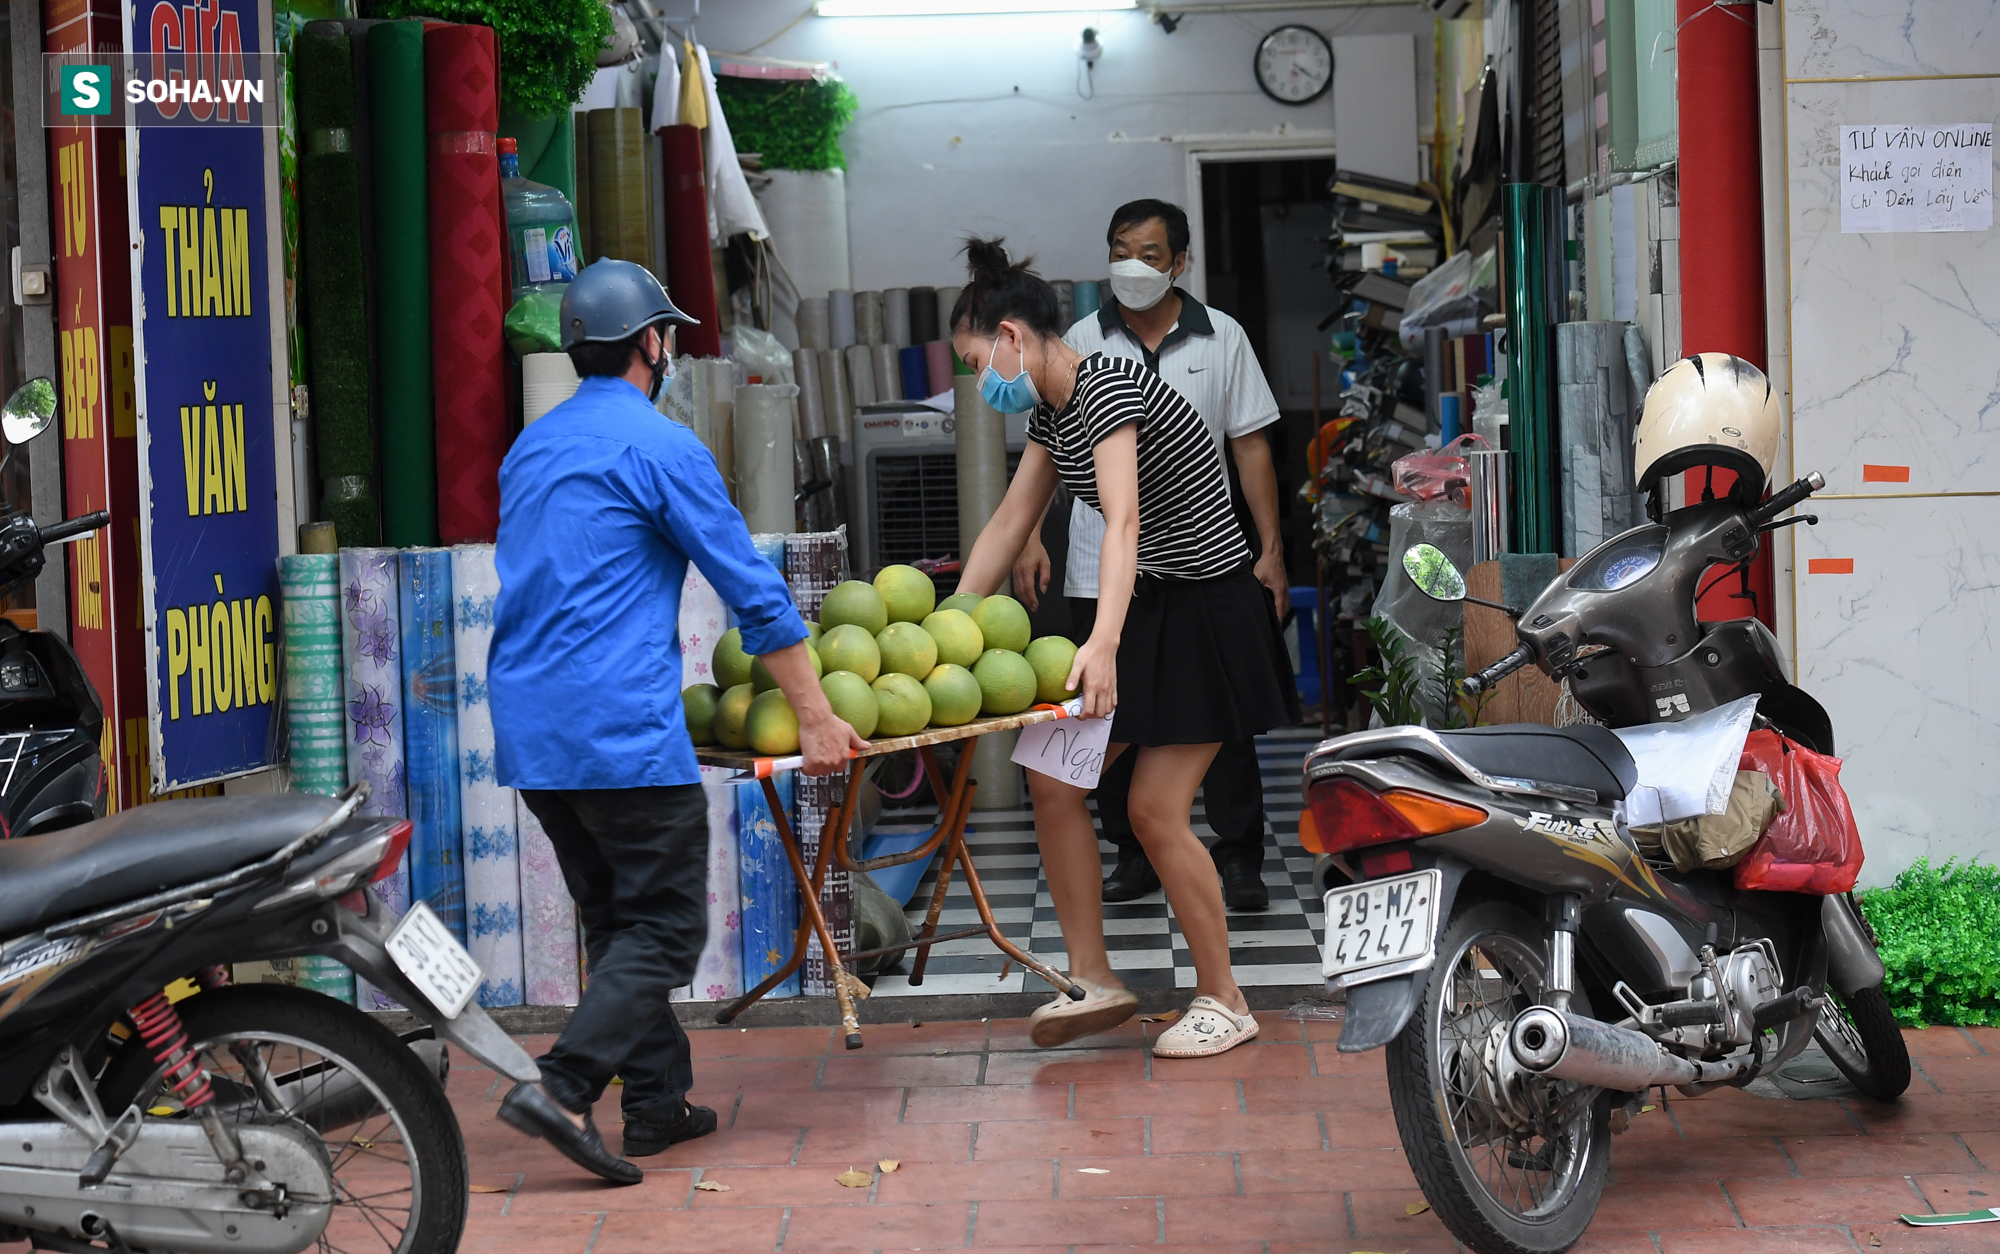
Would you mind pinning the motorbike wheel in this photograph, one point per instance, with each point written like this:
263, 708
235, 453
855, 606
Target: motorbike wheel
1512, 1163
1860, 1034
277, 1054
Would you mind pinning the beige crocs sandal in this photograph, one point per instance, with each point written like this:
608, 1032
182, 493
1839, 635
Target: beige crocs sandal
1063, 1020
1207, 1029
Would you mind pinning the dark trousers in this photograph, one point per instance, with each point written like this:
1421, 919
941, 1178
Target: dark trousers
1232, 792
636, 862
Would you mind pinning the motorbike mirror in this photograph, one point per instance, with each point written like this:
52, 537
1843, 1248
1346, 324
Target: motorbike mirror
29, 411
1433, 573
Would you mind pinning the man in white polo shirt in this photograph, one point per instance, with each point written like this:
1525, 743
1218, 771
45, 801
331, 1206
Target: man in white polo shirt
1205, 356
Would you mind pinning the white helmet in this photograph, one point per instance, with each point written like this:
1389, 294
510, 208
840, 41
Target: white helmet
1708, 409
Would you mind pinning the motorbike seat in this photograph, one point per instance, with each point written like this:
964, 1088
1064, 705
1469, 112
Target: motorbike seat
1586, 756
144, 850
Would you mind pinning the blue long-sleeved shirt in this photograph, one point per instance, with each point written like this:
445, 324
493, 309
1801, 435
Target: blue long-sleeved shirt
603, 501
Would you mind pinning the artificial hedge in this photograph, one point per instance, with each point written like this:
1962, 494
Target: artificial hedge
1939, 928
548, 48
793, 124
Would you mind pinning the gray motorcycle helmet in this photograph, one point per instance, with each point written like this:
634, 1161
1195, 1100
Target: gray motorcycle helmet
613, 300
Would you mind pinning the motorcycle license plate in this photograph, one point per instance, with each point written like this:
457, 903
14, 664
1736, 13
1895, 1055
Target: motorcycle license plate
1382, 921
425, 951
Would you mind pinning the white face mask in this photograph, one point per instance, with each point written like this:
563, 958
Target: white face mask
1137, 285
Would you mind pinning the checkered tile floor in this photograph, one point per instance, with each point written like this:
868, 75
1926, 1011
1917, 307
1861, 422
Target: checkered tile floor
1276, 947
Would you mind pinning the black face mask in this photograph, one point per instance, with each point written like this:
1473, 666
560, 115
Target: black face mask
662, 367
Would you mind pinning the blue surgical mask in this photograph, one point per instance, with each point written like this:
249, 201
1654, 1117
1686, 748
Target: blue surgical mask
1009, 396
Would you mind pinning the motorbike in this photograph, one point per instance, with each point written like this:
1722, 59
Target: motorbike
1496, 928
254, 1119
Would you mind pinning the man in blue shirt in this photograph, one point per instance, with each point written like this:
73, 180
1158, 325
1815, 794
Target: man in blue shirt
603, 502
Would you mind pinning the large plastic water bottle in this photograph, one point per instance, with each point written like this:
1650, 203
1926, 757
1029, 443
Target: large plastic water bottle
541, 225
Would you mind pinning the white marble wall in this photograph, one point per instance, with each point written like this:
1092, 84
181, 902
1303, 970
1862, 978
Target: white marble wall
1894, 347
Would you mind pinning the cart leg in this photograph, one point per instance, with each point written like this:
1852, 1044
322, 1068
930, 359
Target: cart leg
948, 856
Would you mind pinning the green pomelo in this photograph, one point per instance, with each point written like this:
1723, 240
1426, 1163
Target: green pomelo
730, 711
1052, 657
771, 726
955, 695
908, 593
852, 700
813, 632
698, 711
764, 681
730, 664
1003, 623
967, 601
904, 706
849, 647
957, 636
907, 649
857, 603
1006, 682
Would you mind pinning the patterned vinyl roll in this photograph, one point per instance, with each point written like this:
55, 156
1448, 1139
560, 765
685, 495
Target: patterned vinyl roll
311, 587
486, 810
548, 917
770, 892
815, 563
718, 975
430, 734
371, 637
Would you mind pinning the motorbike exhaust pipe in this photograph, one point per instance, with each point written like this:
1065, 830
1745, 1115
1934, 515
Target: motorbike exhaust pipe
1571, 1047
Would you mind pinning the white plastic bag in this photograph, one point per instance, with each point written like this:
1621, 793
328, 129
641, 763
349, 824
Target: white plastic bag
1686, 769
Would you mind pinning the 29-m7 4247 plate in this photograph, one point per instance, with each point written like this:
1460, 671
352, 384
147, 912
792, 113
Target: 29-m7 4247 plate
1380, 922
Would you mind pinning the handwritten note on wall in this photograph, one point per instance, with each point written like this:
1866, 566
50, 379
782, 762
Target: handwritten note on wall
1916, 178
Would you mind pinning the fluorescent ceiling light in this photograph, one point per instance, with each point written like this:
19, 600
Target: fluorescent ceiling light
942, 8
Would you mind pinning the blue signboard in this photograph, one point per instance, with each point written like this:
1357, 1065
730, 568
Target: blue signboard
203, 346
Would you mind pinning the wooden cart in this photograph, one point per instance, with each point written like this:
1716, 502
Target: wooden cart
954, 808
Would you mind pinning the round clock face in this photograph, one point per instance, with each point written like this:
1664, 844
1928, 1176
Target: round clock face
1294, 65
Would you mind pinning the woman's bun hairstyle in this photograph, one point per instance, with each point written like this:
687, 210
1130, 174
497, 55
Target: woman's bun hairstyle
1003, 290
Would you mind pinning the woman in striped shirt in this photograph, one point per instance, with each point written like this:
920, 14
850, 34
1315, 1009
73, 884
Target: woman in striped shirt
1185, 646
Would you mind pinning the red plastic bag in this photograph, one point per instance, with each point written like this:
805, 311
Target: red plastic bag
1435, 474
1812, 846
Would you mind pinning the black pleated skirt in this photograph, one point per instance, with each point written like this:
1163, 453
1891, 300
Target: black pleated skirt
1202, 661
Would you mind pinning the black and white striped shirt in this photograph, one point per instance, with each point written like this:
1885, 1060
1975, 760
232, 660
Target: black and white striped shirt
1186, 527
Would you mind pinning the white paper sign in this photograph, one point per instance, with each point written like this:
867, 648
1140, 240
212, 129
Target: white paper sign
1916, 178
1069, 749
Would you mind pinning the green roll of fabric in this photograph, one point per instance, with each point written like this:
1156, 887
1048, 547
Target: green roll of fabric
403, 285
334, 306
310, 583
530, 134
1530, 369
618, 185
586, 242
557, 165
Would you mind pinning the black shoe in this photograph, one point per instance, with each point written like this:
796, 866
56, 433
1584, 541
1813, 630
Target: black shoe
643, 1137
534, 1112
1131, 879
1243, 886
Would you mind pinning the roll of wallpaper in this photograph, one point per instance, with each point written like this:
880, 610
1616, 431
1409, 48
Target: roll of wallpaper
1086, 297
896, 316
814, 565
860, 381
923, 315
812, 401
947, 300
763, 438
770, 892
916, 374
837, 394
840, 317
814, 332
806, 211
548, 917
547, 380
372, 669
618, 185
722, 419
486, 809
690, 269
868, 318
1065, 301
703, 620
310, 584
334, 302
937, 360
402, 283
718, 973
469, 278
888, 373
430, 734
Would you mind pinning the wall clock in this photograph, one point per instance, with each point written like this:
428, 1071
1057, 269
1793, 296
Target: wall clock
1294, 65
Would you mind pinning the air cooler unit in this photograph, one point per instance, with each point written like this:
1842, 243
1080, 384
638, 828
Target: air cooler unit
903, 483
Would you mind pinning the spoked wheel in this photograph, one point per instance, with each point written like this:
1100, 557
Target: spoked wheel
1512, 1163
286, 1055
1860, 1034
